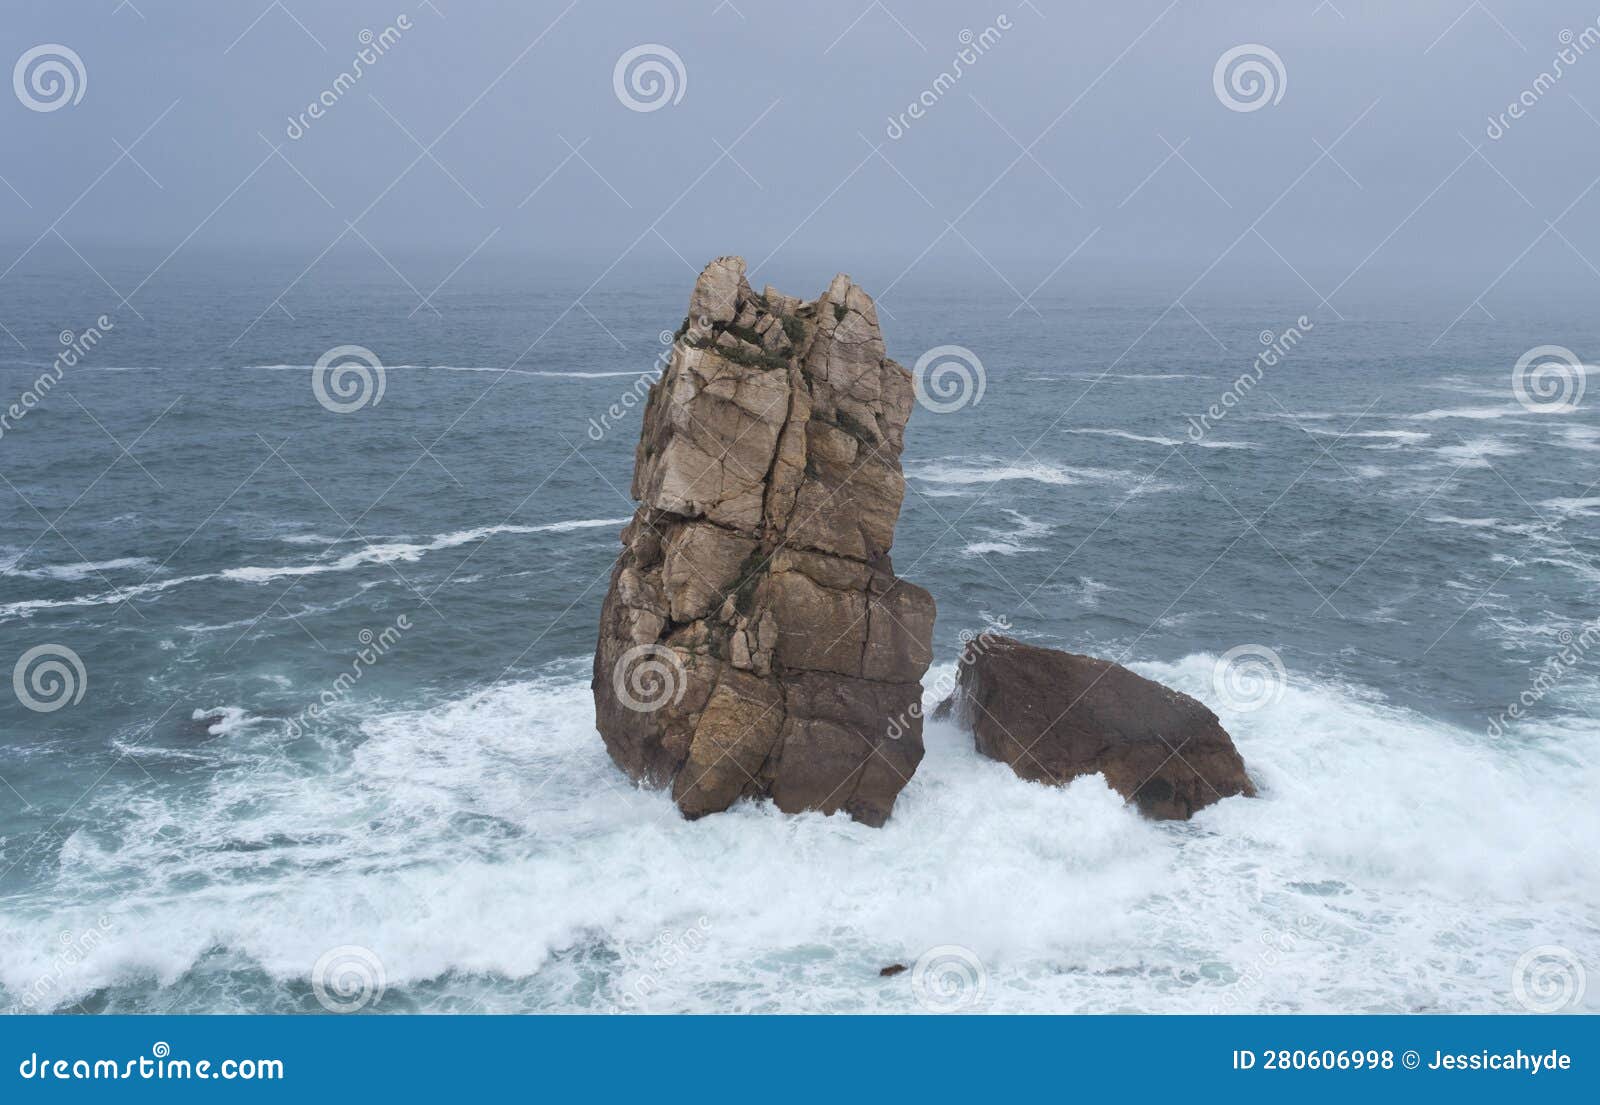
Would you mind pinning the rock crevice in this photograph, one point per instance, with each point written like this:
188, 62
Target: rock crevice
755, 641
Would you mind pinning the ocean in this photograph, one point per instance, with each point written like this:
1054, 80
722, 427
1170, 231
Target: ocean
332, 697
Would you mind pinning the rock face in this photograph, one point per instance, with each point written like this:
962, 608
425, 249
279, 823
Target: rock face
1055, 715
755, 641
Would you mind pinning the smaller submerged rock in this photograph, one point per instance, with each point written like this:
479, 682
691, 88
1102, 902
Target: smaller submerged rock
1054, 716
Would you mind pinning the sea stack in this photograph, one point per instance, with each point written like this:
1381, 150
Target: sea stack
755, 641
1054, 716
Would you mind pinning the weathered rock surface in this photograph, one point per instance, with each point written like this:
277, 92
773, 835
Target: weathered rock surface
1056, 715
755, 640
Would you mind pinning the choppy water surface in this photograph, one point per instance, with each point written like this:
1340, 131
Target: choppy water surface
1380, 512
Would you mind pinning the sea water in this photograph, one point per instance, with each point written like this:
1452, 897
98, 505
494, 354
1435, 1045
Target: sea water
335, 666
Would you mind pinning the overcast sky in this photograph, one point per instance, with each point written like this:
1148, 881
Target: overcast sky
1060, 137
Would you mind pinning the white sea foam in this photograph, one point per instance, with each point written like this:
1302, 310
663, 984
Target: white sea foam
1089, 591
1477, 452
1586, 438
992, 470
1476, 414
1135, 376
71, 573
464, 368
1496, 525
1399, 437
969, 471
1170, 442
385, 553
1571, 508
402, 551
224, 720
482, 844
1012, 541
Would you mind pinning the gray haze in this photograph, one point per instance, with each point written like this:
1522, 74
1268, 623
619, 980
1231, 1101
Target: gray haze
1038, 150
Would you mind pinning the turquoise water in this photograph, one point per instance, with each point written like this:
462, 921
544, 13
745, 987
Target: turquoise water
218, 549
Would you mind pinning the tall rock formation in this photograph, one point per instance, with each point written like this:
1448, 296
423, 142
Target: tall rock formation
754, 640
